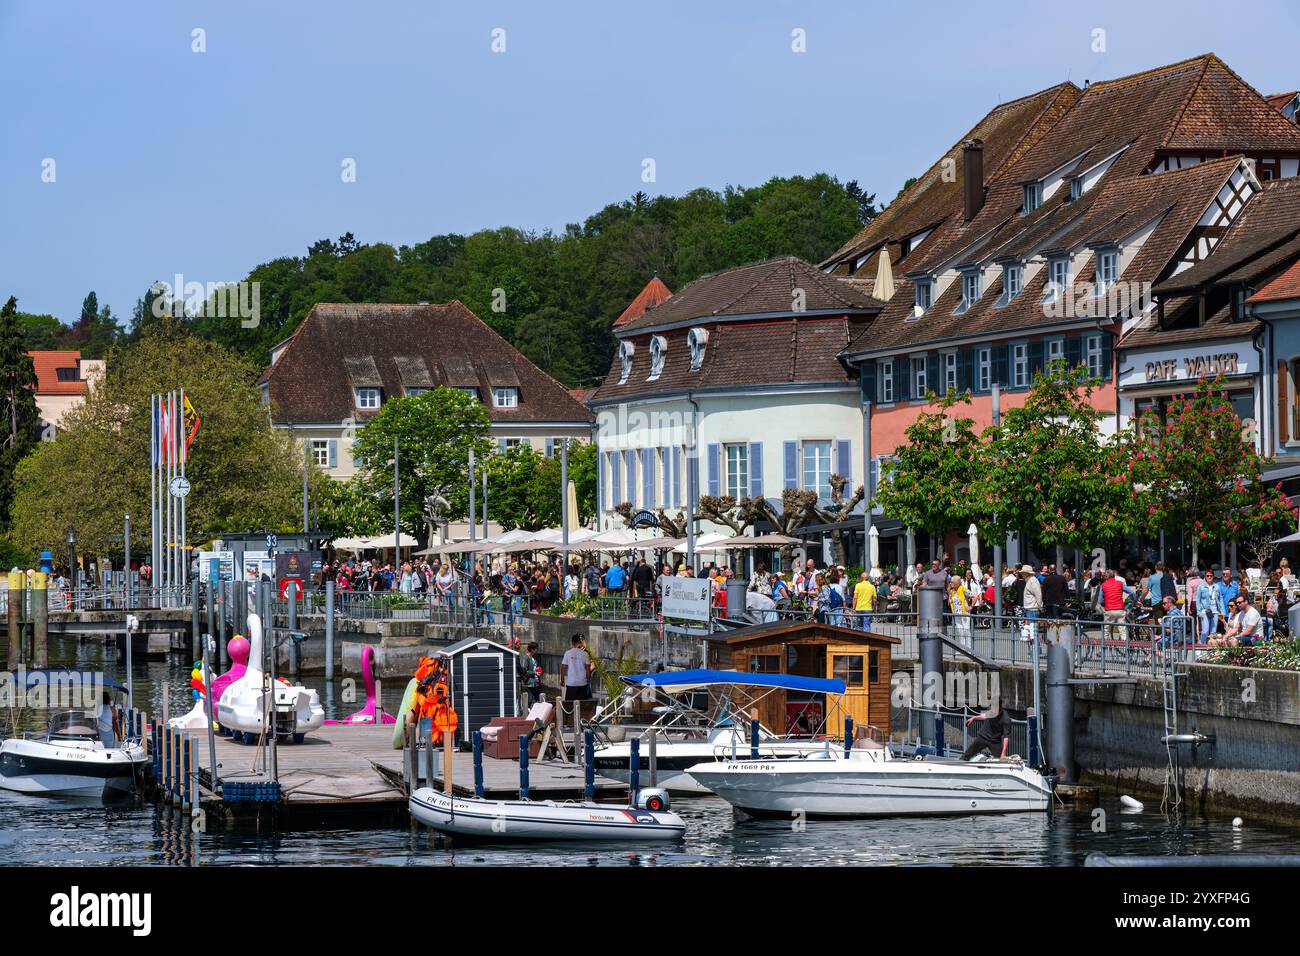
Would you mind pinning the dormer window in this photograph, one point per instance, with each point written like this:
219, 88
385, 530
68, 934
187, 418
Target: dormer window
1076, 188
1033, 198
1107, 270
416, 391
1012, 277
367, 398
625, 352
658, 352
924, 292
1058, 277
505, 396
696, 341
970, 288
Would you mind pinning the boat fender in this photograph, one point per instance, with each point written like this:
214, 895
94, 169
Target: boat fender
1130, 804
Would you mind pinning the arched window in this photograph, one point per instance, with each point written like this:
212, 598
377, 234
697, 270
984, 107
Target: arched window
625, 351
696, 340
658, 352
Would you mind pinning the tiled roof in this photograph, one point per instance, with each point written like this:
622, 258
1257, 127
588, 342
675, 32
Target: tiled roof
339, 347
738, 355
1109, 213
1226, 112
1280, 100
47, 365
772, 287
655, 291
1006, 132
1285, 286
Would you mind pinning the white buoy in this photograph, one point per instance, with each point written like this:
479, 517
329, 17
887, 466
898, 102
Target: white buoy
1236, 823
1129, 803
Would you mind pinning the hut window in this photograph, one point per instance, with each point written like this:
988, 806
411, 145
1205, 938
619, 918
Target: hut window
765, 663
873, 667
848, 668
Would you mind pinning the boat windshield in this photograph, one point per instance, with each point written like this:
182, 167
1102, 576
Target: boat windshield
73, 725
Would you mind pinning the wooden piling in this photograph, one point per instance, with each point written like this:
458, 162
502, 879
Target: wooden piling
15, 618
40, 612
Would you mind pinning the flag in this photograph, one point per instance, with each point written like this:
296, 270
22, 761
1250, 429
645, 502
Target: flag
165, 430
154, 444
192, 422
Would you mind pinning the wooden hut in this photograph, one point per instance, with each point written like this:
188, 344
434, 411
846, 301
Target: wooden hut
813, 649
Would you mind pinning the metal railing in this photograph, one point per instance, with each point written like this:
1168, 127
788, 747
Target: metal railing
108, 599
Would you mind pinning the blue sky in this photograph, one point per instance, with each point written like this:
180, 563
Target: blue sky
168, 161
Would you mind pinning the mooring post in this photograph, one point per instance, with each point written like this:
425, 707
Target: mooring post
1060, 706
478, 764
196, 634
939, 746
753, 738
295, 651
589, 767
634, 769
848, 735
408, 759
40, 619
652, 745
15, 618
207, 700
220, 610
329, 632
1032, 730
186, 756
426, 729
523, 766
930, 630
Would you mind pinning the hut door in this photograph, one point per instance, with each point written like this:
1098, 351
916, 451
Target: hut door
483, 692
847, 662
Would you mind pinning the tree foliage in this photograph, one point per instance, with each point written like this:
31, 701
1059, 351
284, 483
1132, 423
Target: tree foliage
559, 292
1052, 471
434, 432
18, 412
1200, 471
244, 475
937, 481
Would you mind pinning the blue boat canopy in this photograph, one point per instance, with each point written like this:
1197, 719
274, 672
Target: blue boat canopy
54, 677
708, 678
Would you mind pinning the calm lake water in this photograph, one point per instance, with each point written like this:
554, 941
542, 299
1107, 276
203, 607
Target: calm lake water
46, 830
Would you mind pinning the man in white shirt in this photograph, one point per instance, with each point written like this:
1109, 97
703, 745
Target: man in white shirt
575, 671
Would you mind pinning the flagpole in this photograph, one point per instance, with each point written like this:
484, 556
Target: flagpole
185, 551
171, 502
153, 490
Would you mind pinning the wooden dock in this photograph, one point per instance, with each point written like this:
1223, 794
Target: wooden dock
353, 771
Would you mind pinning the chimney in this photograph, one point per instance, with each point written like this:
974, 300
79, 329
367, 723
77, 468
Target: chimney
972, 171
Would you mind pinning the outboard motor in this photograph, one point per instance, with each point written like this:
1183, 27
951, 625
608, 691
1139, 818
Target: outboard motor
652, 798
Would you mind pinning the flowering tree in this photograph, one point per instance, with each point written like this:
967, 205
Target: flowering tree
1201, 472
1054, 472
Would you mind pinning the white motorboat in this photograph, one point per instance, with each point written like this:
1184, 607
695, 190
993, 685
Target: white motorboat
241, 708
546, 819
75, 755
870, 782
686, 736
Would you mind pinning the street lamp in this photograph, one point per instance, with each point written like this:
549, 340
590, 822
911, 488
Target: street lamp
72, 556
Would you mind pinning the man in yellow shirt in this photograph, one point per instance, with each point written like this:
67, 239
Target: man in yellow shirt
864, 601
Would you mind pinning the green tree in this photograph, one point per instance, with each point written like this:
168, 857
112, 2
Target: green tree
41, 332
1201, 472
95, 330
18, 412
244, 475
344, 509
1052, 472
434, 432
935, 481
